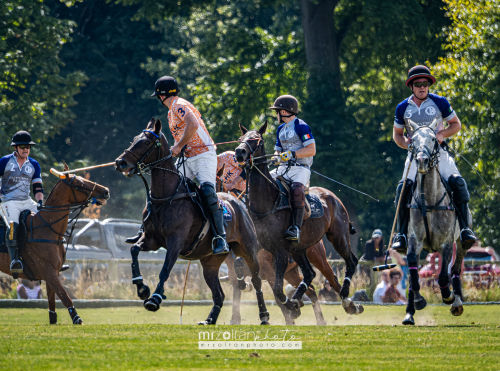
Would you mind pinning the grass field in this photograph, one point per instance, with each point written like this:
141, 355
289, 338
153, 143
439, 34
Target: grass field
133, 339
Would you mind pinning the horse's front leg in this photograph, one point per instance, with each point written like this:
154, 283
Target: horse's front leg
444, 277
280, 258
457, 308
143, 290
51, 298
174, 246
412, 256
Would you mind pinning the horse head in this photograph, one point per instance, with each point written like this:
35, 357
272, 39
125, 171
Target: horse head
252, 144
147, 147
424, 146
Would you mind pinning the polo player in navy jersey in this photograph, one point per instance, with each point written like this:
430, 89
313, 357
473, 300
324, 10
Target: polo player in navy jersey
422, 108
17, 172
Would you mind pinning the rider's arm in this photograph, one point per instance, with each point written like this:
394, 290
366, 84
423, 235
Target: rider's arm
307, 151
190, 130
454, 126
37, 180
399, 138
38, 195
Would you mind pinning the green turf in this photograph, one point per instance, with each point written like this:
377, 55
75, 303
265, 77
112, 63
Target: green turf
134, 339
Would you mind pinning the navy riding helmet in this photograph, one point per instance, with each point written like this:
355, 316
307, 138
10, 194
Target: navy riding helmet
22, 137
419, 72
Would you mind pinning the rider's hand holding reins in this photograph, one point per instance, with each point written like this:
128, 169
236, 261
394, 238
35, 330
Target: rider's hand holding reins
39, 205
275, 160
287, 156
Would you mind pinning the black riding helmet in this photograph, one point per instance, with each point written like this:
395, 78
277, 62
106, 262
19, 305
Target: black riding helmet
22, 137
286, 102
418, 72
166, 86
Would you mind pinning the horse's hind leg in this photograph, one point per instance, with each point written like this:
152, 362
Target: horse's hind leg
412, 256
293, 277
317, 256
211, 265
51, 297
342, 245
52, 280
280, 264
457, 308
236, 316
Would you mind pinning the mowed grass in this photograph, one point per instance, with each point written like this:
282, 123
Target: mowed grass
134, 339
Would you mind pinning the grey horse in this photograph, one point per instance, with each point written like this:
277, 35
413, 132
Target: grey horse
433, 224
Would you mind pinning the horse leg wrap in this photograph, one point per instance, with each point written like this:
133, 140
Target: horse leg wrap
444, 286
344, 292
410, 307
52, 317
143, 291
214, 315
457, 286
74, 316
263, 313
413, 266
134, 251
300, 291
239, 267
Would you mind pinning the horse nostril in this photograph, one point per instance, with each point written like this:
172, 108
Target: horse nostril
106, 194
123, 164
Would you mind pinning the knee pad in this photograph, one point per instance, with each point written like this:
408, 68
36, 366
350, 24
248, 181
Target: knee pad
412, 259
459, 188
209, 196
298, 195
408, 188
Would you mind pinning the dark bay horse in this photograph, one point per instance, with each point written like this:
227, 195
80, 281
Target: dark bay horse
431, 204
174, 221
45, 257
271, 224
316, 255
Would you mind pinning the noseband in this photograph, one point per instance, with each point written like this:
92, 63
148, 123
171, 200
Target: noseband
250, 159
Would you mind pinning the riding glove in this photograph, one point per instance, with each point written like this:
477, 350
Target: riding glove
39, 205
287, 156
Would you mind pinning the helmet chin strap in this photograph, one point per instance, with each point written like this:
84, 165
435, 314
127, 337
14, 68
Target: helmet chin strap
162, 101
281, 116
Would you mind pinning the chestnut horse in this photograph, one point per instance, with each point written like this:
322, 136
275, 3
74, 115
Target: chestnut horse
45, 257
270, 225
173, 220
316, 255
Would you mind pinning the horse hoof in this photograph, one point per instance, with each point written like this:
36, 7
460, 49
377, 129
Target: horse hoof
420, 304
143, 292
205, 323
235, 322
322, 323
409, 320
359, 309
450, 300
457, 311
265, 323
349, 306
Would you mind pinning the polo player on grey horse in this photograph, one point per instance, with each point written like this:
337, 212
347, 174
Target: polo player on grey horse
423, 108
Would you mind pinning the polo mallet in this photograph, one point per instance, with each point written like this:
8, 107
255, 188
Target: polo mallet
385, 265
61, 174
184, 291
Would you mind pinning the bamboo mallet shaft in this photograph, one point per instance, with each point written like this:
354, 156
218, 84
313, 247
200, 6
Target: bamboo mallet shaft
61, 174
184, 291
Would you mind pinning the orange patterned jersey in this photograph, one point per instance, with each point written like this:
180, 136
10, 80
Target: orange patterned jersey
178, 110
231, 170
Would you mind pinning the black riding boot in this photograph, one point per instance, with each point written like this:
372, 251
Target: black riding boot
298, 203
134, 239
400, 242
216, 218
461, 199
293, 232
16, 267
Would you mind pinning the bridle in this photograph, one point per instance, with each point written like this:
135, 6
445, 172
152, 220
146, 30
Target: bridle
71, 208
433, 154
142, 167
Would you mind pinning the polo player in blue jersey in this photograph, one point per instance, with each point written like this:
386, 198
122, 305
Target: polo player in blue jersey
295, 148
422, 108
17, 172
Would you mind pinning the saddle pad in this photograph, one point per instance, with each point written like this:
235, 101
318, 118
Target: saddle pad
317, 210
226, 211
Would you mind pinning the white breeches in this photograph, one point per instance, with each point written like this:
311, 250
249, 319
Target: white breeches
447, 166
298, 174
11, 209
202, 167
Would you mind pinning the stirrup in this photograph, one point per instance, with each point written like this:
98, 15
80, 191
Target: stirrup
400, 243
133, 240
292, 233
217, 250
16, 270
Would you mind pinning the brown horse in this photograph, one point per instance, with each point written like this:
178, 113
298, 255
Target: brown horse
44, 252
173, 220
271, 223
316, 255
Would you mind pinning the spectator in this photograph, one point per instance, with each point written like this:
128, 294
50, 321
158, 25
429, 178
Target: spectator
381, 287
374, 247
404, 266
394, 294
29, 290
327, 293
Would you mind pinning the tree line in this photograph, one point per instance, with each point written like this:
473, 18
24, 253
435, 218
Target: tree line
78, 75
